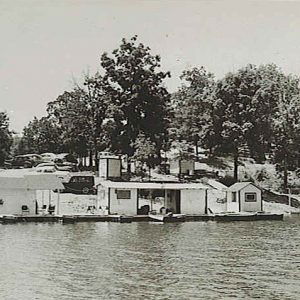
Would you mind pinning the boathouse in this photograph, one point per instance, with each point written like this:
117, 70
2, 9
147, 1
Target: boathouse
133, 198
18, 194
244, 197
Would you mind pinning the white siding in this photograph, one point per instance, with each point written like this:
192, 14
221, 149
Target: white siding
174, 167
193, 201
232, 206
13, 199
123, 206
102, 168
216, 201
114, 168
251, 206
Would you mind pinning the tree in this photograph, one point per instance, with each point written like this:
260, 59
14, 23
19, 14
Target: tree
286, 128
145, 152
5, 137
82, 117
138, 99
234, 112
192, 107
41, 135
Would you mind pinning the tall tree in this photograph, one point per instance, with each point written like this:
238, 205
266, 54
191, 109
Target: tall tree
192, 107
41, 135
138, 98
81, 115
5, 137
234, 112
286, 128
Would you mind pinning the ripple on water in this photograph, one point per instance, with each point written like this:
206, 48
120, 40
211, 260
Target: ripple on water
151, 261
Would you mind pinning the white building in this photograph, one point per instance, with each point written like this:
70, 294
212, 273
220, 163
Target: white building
110, 166
217, 197
18, 194
244, 197
132, 198
182, 166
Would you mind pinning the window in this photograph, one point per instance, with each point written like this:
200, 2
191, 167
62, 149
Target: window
250, 197
1, 202
233, 196
123, 194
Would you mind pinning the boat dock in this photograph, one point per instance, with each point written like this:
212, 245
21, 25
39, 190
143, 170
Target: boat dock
71, 219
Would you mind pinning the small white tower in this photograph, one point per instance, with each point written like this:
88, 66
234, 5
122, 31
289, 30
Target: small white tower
109, 165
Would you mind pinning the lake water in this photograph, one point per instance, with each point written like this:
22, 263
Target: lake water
242, 260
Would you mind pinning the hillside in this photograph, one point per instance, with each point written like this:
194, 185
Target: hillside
263, 175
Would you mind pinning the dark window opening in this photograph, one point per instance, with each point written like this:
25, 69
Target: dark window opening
123, 194
250, 197
234, 197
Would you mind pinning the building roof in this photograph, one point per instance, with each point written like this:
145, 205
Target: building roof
153, 185
32, 182
239, 186
217, 185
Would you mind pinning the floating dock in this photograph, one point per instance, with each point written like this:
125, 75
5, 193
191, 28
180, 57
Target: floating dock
71, 219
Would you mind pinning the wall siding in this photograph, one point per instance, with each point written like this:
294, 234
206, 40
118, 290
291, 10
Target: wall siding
192, 201
13, 199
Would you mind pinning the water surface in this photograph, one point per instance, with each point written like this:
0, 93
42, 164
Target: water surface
192, 260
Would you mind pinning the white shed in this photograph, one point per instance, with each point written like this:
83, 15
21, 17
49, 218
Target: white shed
132, 198
18, 194
244, 197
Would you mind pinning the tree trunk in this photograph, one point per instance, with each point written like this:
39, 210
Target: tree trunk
128, 166
91, 158
96, 160
196, 146
236, 164
285, 175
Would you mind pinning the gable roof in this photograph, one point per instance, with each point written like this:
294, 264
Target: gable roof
217, 185
240, 185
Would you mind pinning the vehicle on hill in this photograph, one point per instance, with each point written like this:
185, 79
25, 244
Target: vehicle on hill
80, 184
48, 157
19, 162
35, 158
52, 167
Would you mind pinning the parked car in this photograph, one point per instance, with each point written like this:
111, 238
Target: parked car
80, 184
46, 167
65, 157
19, 161
34, 158
48, 157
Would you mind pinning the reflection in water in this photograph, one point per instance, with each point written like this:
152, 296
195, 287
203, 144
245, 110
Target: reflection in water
151, 261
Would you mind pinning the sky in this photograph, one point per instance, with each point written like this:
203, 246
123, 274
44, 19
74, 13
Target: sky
47, 45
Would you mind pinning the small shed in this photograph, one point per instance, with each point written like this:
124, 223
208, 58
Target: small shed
132, 198
182, 166
110, 166
244, 197
18, 194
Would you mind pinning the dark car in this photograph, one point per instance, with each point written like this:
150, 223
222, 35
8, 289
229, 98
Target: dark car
21, 161
81, 184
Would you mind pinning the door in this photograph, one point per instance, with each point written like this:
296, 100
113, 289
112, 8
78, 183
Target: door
177, 201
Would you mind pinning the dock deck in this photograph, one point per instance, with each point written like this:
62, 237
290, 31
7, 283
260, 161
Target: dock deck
67, 219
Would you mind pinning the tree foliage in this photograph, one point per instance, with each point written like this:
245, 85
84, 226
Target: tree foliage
40, 136
138, 99
5, 137
192, 107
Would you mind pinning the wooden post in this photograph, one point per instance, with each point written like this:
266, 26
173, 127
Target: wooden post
58, 201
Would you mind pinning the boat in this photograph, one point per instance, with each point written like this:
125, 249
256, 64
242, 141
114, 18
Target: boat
167, 218
9, 219
244, 216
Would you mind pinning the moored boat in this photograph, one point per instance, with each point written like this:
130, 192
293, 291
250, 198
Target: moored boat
167, 218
